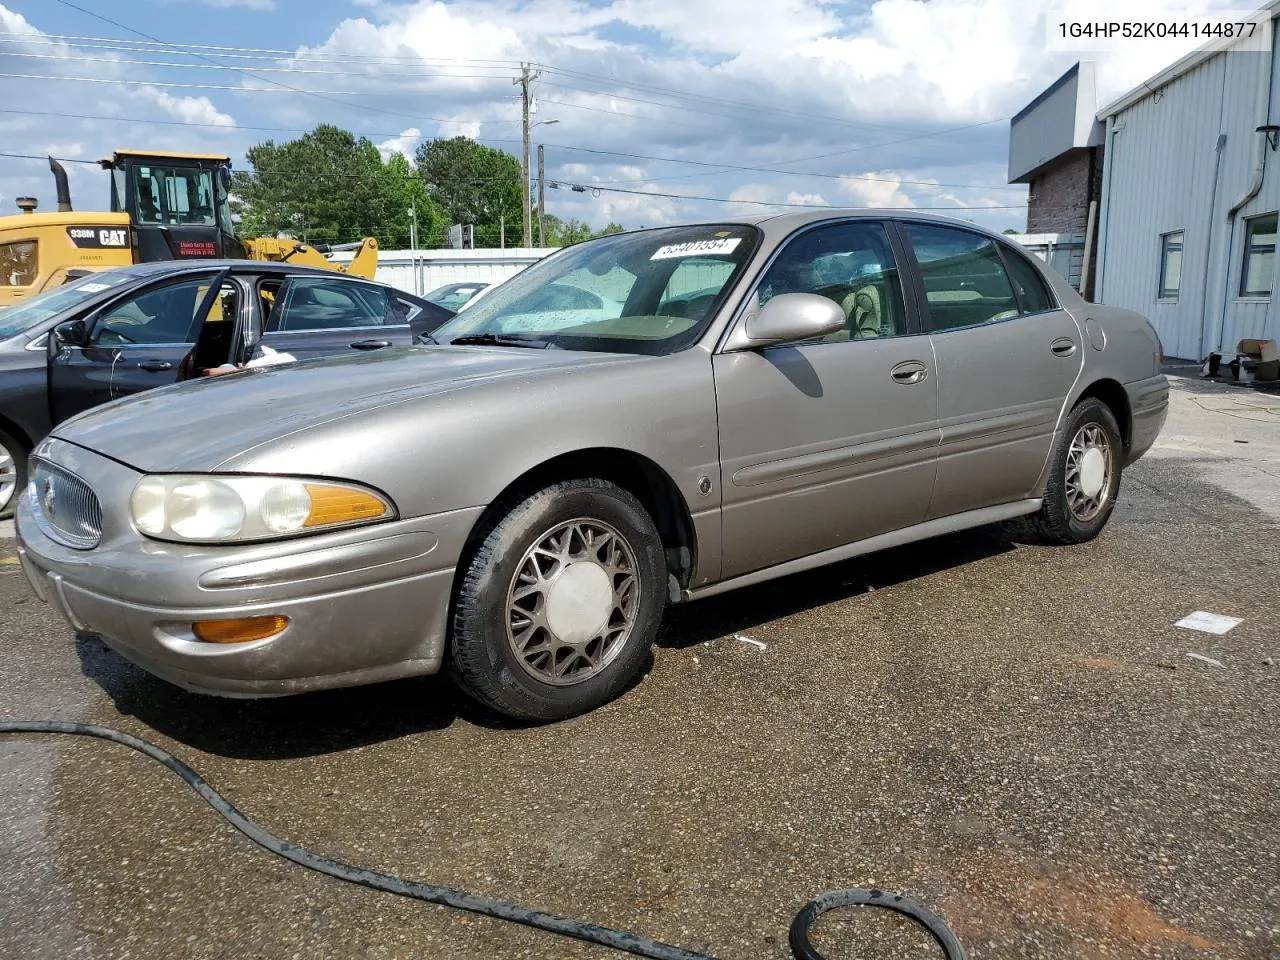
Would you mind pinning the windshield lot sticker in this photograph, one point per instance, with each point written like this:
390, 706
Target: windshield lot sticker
692, 248
94, 287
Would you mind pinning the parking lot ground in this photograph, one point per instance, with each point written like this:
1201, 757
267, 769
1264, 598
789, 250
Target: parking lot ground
1015, 735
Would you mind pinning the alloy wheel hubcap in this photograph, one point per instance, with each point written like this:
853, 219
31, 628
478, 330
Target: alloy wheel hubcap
8, 477
572, 603
1088, 472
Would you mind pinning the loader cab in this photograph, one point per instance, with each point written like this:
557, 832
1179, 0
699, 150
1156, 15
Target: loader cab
179, 204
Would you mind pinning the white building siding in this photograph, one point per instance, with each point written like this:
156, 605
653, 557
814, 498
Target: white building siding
1160, 160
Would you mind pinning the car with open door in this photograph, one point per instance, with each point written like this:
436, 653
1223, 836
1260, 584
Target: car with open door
118, 332
643, 419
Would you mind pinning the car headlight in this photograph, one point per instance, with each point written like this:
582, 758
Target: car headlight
221, 509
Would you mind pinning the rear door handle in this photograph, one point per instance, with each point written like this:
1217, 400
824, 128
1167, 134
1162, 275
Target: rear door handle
370, 344
155, 366
909, 371
1063, 347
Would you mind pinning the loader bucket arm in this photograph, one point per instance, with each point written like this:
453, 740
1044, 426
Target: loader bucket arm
363, 264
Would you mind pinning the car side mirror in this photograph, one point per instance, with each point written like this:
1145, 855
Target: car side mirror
789, 317
71, 333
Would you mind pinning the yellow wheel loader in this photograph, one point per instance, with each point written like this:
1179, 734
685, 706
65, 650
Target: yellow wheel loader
164, 206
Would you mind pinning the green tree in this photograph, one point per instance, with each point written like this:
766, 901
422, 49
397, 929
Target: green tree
561, 233
327, 186
473, 184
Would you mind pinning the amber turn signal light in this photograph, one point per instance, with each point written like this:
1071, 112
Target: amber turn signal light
244, 630
336, 505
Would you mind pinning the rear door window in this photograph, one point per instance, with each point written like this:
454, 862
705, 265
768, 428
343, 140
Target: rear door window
323, 304
1033, 295
965, 282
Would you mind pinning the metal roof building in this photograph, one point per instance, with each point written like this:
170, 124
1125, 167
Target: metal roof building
1189, 193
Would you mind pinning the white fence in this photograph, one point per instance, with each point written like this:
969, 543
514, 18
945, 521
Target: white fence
1062, 251
421, 271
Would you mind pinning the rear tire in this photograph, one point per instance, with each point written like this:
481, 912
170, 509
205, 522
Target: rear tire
1084, 477
13, 474
555, 613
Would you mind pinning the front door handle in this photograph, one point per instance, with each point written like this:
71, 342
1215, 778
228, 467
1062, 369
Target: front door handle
1063, 347
155, 366
370, 344
909, 371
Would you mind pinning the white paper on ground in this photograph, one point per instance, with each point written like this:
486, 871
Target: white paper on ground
1208, 622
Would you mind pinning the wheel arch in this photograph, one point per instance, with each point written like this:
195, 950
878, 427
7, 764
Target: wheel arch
637, 474
1113, 394
12, 428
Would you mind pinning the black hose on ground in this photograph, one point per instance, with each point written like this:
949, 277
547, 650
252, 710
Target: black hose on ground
801, 946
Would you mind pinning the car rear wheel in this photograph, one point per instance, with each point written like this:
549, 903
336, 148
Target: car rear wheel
1084, 477
557, 609
13, 473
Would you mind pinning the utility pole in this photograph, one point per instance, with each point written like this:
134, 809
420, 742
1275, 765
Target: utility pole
413, 246
502, 232
527, 213
542, 202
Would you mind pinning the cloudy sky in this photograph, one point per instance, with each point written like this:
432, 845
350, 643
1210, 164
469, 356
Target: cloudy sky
657, 102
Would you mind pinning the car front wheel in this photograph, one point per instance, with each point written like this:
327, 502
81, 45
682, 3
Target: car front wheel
556, 611
13, 473
1084, 477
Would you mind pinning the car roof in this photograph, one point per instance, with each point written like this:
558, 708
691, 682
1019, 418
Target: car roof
780, 224
164, 267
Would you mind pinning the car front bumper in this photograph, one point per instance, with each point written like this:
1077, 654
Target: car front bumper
364, 605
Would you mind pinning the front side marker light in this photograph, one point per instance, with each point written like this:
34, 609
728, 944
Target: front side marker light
241, 630
341, 505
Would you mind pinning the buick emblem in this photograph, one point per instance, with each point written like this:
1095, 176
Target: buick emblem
47, 498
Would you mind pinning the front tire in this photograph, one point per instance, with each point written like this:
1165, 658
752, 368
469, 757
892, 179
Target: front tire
1084, 477
556, 611
13, 474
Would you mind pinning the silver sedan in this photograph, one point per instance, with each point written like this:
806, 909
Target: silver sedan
637, 421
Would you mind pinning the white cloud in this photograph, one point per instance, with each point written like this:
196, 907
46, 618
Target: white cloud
187, 109
405, 143
807, 199
248, 4
885, 190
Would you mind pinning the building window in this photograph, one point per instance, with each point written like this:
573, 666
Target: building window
1259, 256
1170, 264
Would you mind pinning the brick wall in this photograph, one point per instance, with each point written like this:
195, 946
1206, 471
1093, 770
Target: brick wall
1059, 201
1060, 196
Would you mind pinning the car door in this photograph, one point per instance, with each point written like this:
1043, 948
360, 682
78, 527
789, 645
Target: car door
312, 316
134, 342
826, 442
1007, 357
214, 303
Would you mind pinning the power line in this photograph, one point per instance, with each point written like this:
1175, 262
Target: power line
132, 61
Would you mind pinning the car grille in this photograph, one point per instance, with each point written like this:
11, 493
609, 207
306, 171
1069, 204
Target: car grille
64, 507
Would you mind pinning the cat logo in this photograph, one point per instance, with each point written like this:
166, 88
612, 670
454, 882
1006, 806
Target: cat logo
99, 238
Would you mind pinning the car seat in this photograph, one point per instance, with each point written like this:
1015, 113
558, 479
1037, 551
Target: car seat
862, 312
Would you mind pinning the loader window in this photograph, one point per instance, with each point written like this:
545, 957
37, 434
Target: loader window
18, 263
176, 196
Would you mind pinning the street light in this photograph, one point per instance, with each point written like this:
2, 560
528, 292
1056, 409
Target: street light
542, 198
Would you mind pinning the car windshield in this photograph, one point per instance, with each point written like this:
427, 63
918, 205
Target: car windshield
33, 312
652, 291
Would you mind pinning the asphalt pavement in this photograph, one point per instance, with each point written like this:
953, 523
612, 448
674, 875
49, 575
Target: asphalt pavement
1015, 735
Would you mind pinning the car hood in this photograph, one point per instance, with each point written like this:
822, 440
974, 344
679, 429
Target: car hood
198, 425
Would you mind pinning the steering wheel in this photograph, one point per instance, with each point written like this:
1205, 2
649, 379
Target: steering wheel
120, 337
